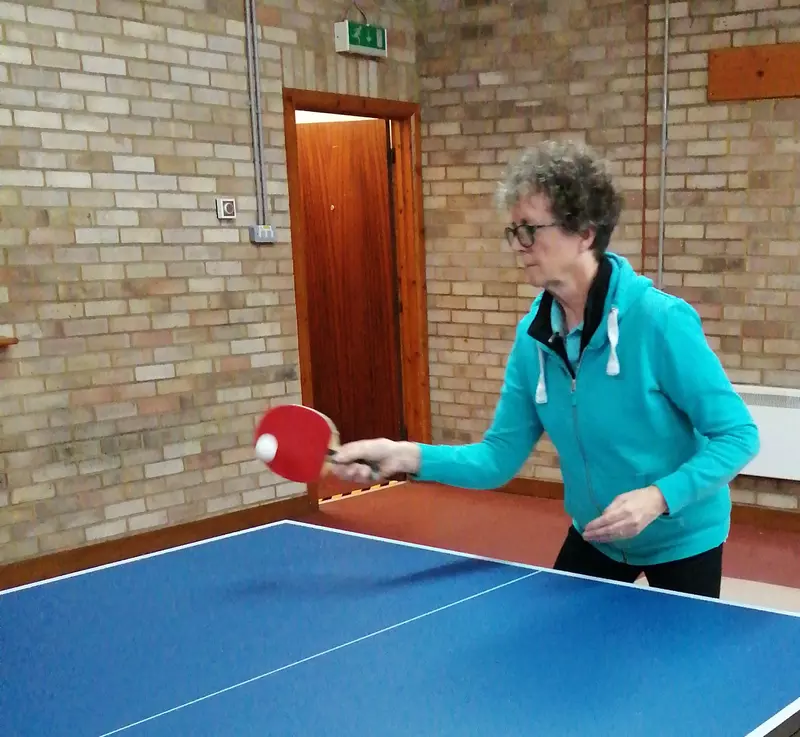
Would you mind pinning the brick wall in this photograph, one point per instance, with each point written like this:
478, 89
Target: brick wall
151, 336
498, 76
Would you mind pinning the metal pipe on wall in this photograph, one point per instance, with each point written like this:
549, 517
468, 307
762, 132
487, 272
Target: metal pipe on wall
645, 126
663, 183
256, 113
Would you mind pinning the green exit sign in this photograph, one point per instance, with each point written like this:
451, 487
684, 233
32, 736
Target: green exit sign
360, 38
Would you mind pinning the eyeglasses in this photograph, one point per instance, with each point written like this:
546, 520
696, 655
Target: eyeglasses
524, 233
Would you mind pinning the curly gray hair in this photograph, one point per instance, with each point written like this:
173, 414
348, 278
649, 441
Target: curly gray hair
576, 182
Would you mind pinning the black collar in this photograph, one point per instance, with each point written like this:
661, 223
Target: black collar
541, 328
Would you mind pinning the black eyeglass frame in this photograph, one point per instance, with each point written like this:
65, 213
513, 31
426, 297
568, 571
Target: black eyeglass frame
525, 233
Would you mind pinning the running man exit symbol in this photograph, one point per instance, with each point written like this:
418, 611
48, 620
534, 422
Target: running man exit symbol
368, 36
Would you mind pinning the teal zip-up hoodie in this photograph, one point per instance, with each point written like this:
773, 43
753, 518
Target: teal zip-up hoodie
649, 404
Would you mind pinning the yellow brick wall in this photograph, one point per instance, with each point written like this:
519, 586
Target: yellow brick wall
499, 76
151, 335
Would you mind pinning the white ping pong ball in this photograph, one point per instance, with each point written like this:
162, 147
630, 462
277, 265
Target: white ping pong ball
266, 446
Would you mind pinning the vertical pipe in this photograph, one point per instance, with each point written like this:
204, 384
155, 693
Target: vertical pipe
256, 115
261, 172
645, 137
663, 183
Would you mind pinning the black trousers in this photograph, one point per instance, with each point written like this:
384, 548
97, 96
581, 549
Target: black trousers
700, 574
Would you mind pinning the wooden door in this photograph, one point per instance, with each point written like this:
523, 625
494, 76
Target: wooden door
353, 320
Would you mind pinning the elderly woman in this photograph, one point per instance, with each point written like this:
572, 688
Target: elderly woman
648, 429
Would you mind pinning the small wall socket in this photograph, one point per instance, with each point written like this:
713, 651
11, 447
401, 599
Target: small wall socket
262, 234
226, 208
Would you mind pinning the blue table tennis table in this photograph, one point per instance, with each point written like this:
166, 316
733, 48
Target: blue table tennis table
295, 630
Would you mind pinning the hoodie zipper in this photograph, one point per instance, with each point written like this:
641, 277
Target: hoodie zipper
574, 377
578, 437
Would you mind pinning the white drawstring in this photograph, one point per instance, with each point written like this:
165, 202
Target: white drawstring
612, 367
541, 388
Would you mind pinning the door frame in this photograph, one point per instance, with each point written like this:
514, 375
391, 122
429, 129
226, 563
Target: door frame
406, 182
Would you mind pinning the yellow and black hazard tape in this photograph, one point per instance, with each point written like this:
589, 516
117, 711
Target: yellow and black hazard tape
355, 492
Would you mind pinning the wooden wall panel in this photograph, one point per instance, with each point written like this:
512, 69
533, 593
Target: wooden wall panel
754, 72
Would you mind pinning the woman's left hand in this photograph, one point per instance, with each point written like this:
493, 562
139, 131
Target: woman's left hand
626, 516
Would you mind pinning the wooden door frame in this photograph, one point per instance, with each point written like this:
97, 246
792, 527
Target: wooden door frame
404, 118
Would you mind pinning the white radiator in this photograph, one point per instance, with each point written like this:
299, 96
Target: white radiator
777, 413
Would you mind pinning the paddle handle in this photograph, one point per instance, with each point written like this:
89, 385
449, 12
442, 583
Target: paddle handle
376, 468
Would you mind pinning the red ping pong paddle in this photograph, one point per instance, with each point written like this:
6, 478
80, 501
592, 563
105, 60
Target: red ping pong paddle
297, 443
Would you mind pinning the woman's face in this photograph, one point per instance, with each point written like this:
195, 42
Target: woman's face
553, 253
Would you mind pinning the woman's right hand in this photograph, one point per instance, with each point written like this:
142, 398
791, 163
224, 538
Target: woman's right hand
388, 457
